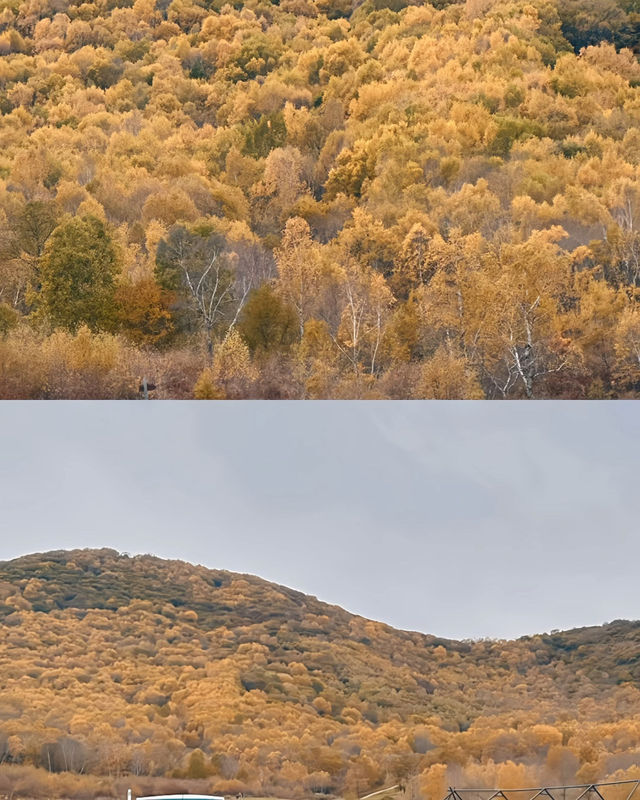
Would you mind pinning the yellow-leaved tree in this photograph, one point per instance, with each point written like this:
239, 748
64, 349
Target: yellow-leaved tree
299, 269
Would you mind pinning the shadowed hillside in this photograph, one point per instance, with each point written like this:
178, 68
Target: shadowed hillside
136, 669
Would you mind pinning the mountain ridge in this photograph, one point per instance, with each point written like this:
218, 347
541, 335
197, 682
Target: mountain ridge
304, 598
117, 666
61, 553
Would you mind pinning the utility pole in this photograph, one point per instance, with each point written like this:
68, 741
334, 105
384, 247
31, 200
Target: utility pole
146, 387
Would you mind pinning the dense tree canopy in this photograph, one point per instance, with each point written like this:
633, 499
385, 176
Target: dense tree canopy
120, 671
444, 195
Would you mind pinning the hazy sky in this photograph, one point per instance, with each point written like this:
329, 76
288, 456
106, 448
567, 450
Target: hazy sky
459, 519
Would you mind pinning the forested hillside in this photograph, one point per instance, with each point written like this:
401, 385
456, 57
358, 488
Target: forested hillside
124, 671
315, 198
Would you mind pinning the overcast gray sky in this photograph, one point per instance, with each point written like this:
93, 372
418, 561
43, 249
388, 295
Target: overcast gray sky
459, 519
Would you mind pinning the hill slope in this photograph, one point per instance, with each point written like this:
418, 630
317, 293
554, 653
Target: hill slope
401, 198
113, 665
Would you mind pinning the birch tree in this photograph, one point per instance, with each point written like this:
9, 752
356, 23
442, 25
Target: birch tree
299, 269
209, 293
367, 301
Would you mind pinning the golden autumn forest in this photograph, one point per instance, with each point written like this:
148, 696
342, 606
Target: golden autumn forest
319, 198
122, 671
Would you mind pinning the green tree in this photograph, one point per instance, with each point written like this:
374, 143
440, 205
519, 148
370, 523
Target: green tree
78, 276
33, 226
268, 322
258, 55
263, 135
197, 767
22, 243
104, 73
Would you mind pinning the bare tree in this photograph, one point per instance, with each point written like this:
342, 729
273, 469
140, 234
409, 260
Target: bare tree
526, 355
210, 293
